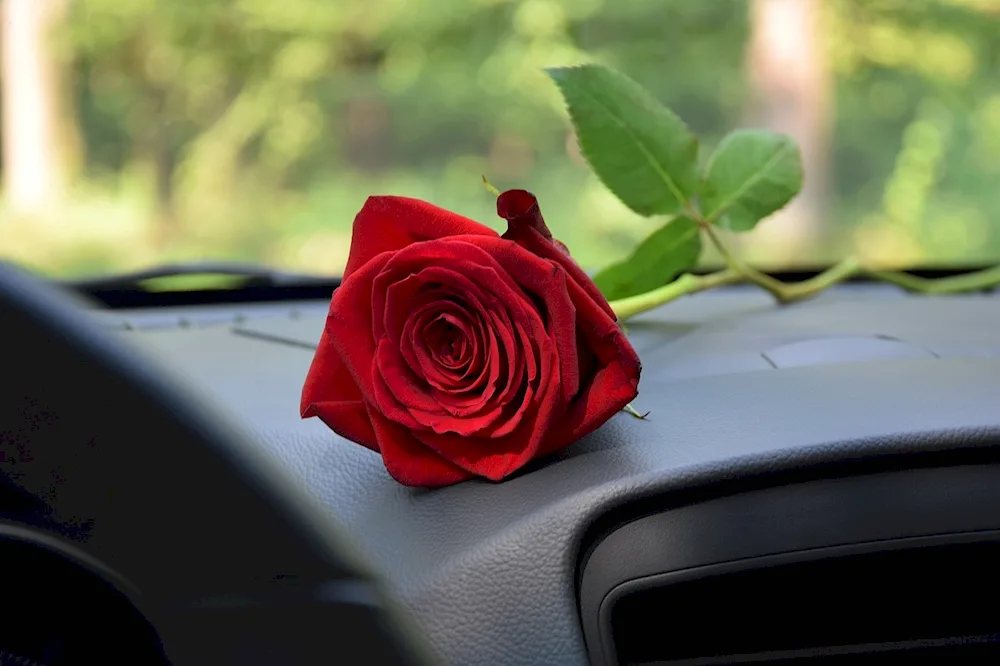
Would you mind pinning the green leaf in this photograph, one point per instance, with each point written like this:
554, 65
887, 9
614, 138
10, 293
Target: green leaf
750, 175
669, 251
642, 152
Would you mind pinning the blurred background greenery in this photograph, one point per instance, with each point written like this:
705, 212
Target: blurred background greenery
144, 131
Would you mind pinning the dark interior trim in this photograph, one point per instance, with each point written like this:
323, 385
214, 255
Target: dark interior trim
782, 519
249, 292
127, 299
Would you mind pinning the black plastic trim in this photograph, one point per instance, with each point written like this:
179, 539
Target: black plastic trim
122, 299
322, 289
25, 535
793, 522
795, 557
58, 597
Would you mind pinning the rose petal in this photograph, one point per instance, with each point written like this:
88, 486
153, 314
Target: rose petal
548, 283
388, 223
536, 242
500, 456
394, 303
448, 340
510, 374
520, 209
502, 414
440, 262
410, 462
405, 398
473, 277
615, 377
405, 388
331, 394
530, 342
467, 376
443, 373
412, 328
349, 325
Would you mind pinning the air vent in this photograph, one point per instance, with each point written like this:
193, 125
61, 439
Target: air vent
926, 605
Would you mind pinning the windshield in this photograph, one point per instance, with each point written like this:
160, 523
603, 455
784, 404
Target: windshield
138, 132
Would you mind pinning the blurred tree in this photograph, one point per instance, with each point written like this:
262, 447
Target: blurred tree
916, 155
255, 128
791, 93
34, 170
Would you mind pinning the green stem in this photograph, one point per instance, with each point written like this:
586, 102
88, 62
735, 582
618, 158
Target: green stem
686, 284
763, 280
983, 279
839, 272
784, 293
738, 271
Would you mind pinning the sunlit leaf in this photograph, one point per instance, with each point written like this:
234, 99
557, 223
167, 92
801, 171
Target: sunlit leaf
666, 253
752, 174
644, 153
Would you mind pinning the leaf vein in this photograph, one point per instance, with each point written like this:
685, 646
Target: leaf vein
657, 167
750, 182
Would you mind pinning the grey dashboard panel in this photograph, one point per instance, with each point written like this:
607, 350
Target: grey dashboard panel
489, 570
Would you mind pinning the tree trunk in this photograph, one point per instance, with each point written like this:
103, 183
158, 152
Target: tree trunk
156, 148
791, 93
33, 171
366, 123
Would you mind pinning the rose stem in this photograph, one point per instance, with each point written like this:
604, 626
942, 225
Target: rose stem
784, 293
983, 279
686, 284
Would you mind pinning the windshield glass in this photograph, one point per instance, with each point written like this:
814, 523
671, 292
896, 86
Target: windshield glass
137, 132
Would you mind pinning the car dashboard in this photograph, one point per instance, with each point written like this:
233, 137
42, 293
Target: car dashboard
815, 483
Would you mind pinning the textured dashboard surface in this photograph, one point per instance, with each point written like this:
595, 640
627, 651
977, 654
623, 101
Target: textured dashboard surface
737, 388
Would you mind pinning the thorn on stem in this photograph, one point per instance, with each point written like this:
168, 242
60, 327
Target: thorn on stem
631, 410
489, 187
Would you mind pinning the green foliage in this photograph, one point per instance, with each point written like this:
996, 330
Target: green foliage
669, 251
263, 124
256, 128
642, 151
647, 157
750, 175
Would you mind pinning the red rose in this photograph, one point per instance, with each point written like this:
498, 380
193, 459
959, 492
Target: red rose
457, 353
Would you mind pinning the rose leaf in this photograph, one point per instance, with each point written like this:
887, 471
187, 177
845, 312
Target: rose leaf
751, 174
666, 253
642, 152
